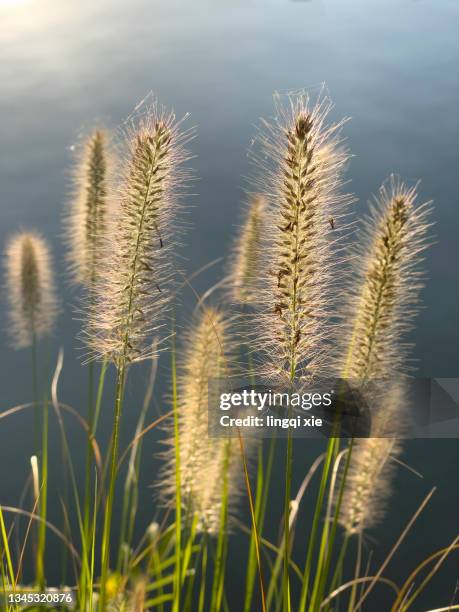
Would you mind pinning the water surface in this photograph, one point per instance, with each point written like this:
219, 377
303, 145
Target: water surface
391, 66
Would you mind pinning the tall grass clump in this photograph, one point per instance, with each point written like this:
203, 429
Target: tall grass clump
383, 303
33, 310
134, 287
301, 162
86, 228
287, 280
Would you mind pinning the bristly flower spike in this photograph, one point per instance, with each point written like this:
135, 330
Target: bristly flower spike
385, 296
30, 287
132, 297
91, 207
205, 462
245, 264
302, 164
382, 307
368, 484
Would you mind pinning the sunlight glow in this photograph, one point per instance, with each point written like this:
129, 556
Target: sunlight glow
7, 3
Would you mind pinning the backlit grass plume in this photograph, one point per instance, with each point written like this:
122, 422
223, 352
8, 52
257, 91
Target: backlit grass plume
135, 279
204, 461
368, 483
301, 163
130, 300
381, 310
385, 295
246, 257
30, 289
86, 228
88, 217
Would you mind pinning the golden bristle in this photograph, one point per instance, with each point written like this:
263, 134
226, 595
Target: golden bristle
368, 482
30, 287
382, 307
134, 290
385, 295
204, 462
90, 208
246, 257
302, 164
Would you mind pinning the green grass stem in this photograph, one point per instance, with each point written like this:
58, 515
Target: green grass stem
92, 550
202, 589
315, 522
5, 551
131, 489
88, 470
105, 550
178, 491
41, 544
251, 564
328, 540
220, 556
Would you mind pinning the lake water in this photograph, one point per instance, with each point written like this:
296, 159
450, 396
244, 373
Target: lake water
391, 66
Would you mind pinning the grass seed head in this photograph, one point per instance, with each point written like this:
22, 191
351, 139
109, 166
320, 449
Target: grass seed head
369, 479
386, 284
30, 289
301, 163
246, 253
384, 301
91, 206
204, 462
137, 269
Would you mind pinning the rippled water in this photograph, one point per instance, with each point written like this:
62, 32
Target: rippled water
391, 66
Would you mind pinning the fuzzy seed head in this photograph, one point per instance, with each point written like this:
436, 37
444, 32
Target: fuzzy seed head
246, 257
134, 290
386, 293
368, 483
204, 462
90, 207
301, 163
381, 310
30, 287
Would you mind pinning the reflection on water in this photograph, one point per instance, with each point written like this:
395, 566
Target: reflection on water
390, 65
